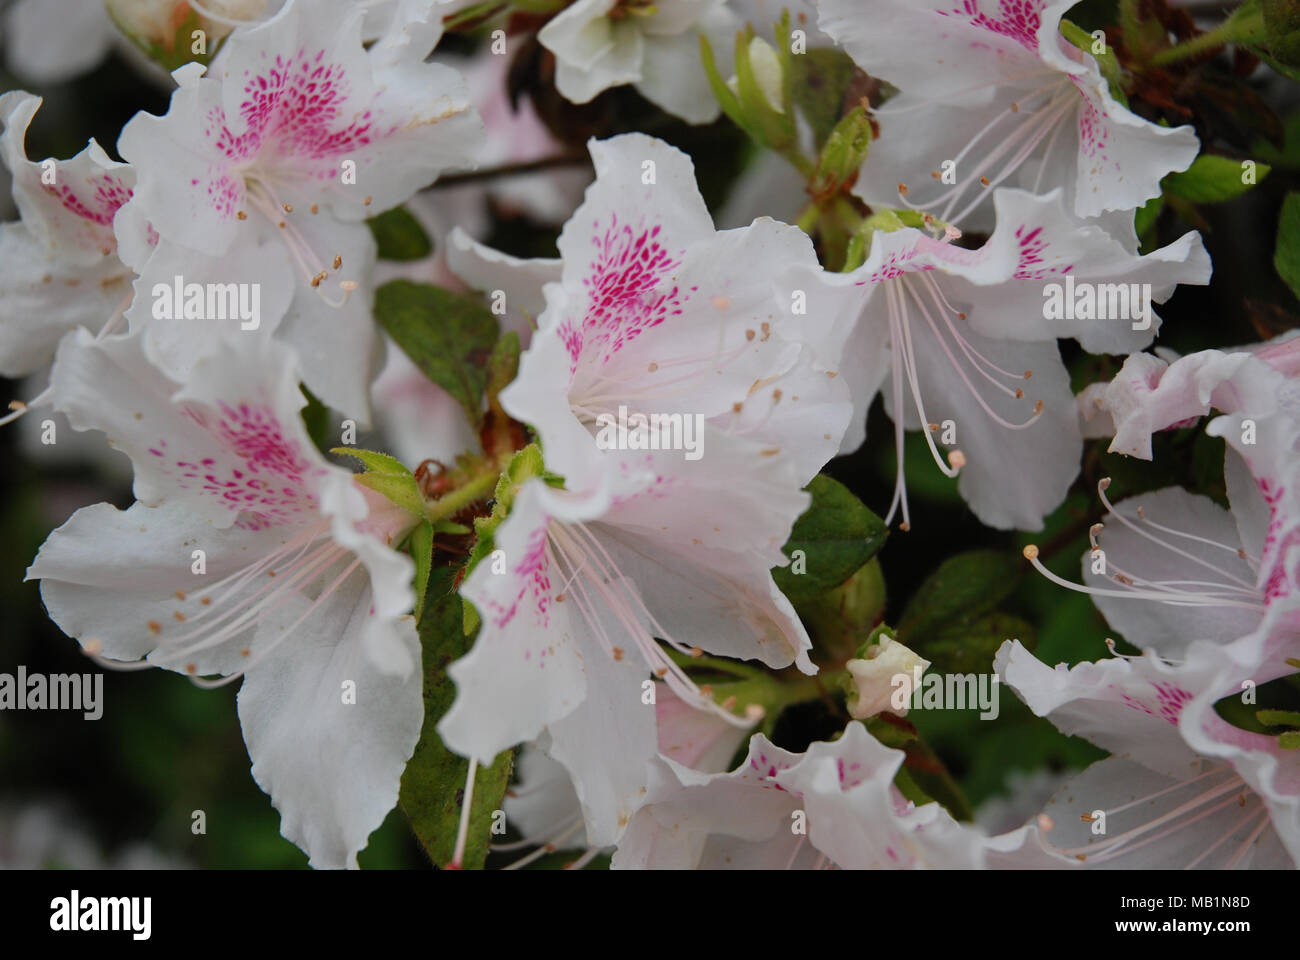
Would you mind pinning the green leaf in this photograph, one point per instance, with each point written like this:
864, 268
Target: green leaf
1147, 214
836, 535
969, 646
1286, 259
434, 779
315, 417
448, 336
422, 554
387, 476
1212, 179
503, 364
399, 235
958, 592
821, 79
1278, 718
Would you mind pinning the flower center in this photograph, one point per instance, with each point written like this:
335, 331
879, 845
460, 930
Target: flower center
925, 297
1007, 141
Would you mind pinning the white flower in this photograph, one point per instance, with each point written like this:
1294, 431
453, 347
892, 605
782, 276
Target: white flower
876, 686
963, 337
545, 807
1167, 799
655, 311
600, 44
992, 86
262, 171
59, 266
833, 806
246, 555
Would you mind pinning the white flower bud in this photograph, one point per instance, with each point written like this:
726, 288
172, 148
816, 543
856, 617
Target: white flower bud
886, 681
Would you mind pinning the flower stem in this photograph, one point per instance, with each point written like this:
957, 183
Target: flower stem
478, 487
1246, 23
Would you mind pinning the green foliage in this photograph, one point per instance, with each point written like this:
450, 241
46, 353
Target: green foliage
821, 80
399, 235
387, 476
836, 534
433, 782
1287, 257
448, 336
1212, 179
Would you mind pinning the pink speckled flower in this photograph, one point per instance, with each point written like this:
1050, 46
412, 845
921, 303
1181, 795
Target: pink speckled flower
949, 334
655, 311
59, 266
263, 170
841, 794
1184, 788
246, 555
1256, 626
993, 86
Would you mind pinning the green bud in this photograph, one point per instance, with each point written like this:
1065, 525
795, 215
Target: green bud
844, 153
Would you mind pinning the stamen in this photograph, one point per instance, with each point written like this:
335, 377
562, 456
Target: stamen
462, 832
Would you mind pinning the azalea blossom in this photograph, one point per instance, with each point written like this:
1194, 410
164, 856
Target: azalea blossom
264, 167
966, 337
600, 44
246, 555
835, 805
1166, 801
994, 88
657, 312
545, 806
1260, 423
59, 267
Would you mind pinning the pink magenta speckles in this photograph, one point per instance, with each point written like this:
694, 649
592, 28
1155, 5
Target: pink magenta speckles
534, 578
293, 110
1169, 704
1032, 264
630, 289
1276, 544
767, 769
850, 775
1093, 132
269, 487
98, 204
1017, 20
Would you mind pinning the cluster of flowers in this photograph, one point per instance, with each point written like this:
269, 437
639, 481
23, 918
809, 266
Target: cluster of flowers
619, 568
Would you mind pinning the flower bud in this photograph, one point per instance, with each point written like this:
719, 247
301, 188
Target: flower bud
884, 679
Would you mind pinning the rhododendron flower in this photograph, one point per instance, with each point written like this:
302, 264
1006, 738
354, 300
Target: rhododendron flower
59, 267
654, 311
294, 136
600, 44
994, 88
546, 809
833, 806
246, 555
1260, 423
1166, 801
964, 336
